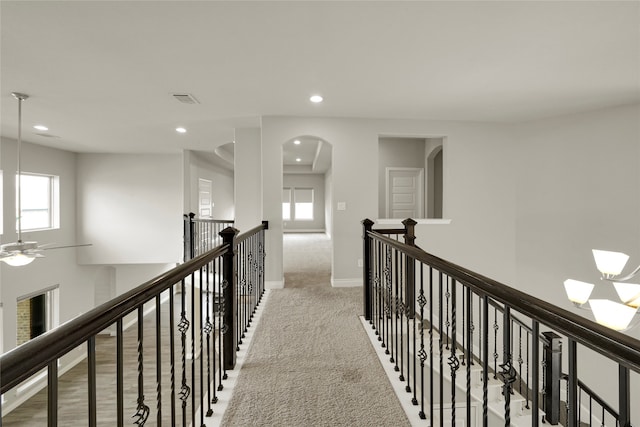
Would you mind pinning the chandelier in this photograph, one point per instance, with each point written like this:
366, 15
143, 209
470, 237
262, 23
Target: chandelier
615, 315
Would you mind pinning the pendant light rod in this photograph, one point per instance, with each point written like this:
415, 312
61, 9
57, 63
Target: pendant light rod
20, 97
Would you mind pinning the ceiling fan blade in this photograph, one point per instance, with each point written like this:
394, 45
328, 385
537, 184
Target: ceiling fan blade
43, 248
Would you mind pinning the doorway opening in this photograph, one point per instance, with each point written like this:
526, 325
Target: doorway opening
307, 192
410, 177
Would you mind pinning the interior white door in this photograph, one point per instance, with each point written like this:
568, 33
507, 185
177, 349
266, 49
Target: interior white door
405, 193
204, 198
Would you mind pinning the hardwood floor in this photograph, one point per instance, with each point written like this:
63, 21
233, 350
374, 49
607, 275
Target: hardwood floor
73, 389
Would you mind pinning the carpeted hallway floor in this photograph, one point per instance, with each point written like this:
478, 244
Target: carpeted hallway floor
310, 362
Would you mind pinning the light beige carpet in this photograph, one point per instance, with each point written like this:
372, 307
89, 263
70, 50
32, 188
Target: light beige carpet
310, 362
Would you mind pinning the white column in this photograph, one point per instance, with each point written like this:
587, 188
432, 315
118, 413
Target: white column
248, 178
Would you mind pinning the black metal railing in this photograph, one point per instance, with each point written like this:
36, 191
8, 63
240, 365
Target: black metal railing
189, 323
471, 350
202, 234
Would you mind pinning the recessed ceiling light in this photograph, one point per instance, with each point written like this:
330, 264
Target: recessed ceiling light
315, 99
298, 159
297, 142
41, 127
181, 130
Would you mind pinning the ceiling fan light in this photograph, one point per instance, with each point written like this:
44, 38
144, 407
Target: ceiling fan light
19, 259
609, 263
612, 314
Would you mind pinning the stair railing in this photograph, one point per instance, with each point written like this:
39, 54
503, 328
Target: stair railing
449, 330
185, 337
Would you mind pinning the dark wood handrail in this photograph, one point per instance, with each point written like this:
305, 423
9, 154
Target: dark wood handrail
244, 236
209, 220
23, 361
608, 342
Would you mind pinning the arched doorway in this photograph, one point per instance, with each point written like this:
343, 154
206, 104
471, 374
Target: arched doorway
307, 202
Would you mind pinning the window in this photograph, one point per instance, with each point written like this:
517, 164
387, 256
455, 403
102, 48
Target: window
39, 202
286, 204
304, 203
36, 314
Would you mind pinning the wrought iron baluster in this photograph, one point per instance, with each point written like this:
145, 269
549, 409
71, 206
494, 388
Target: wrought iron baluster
158, 361
431, 367
91, 376
239, 284
495, 343
208, 327
520, 360
527, 385
394, 313
441, 349
202, 271
142, 410
462, 349
447, 323
387, 303
193, 348
507, 370
399, 314
222, 327
469, 352
484, 338
172, 353
419, 353
454, 363
183, 326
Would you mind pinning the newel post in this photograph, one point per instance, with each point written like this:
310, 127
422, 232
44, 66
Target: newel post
367, 225
410, 271
229, 285
189, 243
552, 372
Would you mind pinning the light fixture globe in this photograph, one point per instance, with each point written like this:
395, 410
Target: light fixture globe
629, 293
610, 264
19, 253
578, 292
612, 314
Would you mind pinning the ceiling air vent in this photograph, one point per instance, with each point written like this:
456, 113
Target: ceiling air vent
185, 98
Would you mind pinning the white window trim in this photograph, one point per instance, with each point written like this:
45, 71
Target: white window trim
54, 202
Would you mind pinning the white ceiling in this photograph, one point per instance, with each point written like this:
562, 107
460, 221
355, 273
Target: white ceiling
101, 74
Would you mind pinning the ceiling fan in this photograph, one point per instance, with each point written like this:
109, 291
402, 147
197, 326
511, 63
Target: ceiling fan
22, 253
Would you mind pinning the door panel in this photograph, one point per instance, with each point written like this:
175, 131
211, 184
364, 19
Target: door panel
405, 189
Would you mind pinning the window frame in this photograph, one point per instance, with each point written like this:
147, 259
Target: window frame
286, 201
296, 215
52, 202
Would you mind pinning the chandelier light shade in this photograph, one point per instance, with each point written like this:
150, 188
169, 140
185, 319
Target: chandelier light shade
609, 263
629, 293
615, 315
578, 292
612, 314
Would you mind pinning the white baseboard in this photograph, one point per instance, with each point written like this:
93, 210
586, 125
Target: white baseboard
346, 283
274, 284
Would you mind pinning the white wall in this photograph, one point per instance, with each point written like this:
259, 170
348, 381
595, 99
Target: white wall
328, 202
317, 182
578, 180
248, 184
130, 208
478, 187
221, 186
59, 266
